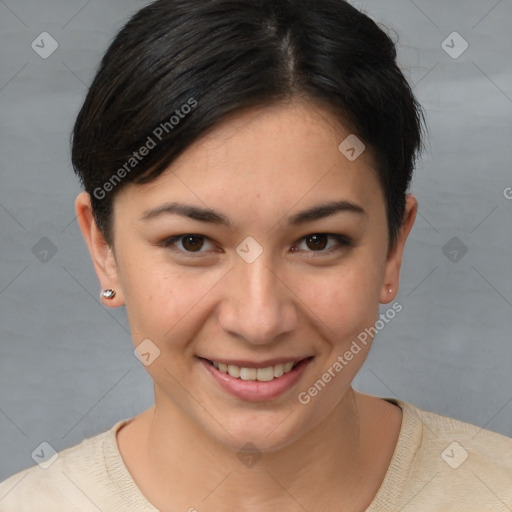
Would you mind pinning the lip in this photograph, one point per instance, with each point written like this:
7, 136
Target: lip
257, 364
253, 390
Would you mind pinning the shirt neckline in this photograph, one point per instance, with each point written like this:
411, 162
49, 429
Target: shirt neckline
409, 439
124, 484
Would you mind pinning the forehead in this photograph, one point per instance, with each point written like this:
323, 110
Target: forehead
283, 133
285, 152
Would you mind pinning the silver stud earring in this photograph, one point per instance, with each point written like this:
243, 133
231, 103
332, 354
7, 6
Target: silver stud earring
108, 294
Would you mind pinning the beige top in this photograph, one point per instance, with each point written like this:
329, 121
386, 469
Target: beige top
439, 465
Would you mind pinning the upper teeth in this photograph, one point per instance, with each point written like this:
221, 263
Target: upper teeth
263, 374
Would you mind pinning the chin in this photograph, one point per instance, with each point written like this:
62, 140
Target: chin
268, 431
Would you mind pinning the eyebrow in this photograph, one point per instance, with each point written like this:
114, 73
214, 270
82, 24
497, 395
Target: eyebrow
209, 215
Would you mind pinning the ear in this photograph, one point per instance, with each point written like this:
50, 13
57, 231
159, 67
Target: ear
394, 257
102, 256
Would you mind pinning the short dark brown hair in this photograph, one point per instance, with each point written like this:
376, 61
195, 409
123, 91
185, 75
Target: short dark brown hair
179, 67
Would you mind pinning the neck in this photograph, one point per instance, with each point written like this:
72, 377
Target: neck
189, 469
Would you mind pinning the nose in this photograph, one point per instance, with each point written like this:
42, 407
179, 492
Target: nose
258, 304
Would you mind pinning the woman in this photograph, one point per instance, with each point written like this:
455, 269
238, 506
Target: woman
245, 169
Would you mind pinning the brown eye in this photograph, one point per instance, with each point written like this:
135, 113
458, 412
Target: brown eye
316, 242
187, 244
323, 243
192, 243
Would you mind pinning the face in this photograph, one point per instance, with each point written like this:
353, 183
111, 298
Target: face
229, 257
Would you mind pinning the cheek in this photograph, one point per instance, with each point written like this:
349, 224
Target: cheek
346, 300
164, 304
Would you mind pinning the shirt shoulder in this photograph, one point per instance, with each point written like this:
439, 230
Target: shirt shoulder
451, 465
73, 480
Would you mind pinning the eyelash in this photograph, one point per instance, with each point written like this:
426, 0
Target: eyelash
342, 242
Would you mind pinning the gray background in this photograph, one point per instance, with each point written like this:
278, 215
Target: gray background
67, 370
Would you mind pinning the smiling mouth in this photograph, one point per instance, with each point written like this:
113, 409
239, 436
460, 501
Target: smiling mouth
266, 374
